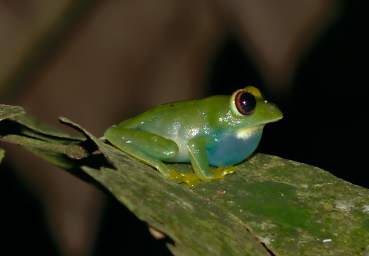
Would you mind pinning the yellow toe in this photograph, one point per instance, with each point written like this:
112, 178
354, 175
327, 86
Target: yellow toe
189, 178
220, 172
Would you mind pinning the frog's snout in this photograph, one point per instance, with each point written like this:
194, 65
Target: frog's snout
274, 112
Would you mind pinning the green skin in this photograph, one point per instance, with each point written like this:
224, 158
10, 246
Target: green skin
194, 131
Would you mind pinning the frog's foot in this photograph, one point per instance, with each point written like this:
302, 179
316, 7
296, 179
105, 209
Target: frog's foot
220, 172
189, 178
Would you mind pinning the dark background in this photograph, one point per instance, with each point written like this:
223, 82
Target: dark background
326, 111
324, 125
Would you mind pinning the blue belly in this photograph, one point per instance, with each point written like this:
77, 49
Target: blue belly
229, 150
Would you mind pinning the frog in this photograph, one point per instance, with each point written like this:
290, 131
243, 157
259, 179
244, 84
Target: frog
213, 134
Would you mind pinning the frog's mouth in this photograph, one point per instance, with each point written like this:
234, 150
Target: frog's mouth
247, 132
273, 120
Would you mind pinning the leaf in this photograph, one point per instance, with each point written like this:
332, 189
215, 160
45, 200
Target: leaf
2, 154
35, 128
171, 207
57, 147
270, 205
73, 151
7, 111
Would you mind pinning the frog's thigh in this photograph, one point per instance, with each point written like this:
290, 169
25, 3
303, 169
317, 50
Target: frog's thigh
151, 144
147, 147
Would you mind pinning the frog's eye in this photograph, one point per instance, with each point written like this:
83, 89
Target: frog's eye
245, 102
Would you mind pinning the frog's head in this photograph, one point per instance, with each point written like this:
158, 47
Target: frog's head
249, 108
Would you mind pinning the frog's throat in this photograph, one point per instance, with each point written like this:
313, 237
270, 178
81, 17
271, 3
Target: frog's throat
246, 133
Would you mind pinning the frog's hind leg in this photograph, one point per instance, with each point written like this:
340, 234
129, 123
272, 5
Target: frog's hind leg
145, 146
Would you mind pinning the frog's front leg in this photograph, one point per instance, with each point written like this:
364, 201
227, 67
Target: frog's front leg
199, 160
150, 148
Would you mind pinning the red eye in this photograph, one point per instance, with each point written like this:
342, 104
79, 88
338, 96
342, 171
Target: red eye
245, 102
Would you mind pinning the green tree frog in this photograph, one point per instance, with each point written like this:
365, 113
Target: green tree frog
218, 131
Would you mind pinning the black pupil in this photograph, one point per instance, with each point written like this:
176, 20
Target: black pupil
246, 103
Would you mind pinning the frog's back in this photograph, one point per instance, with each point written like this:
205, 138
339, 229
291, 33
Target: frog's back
179, 121
165, 114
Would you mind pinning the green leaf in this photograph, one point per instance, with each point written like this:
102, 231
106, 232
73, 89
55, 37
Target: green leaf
73, 151
269, 206
35, 128
2, 154
7, 111
51, 144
